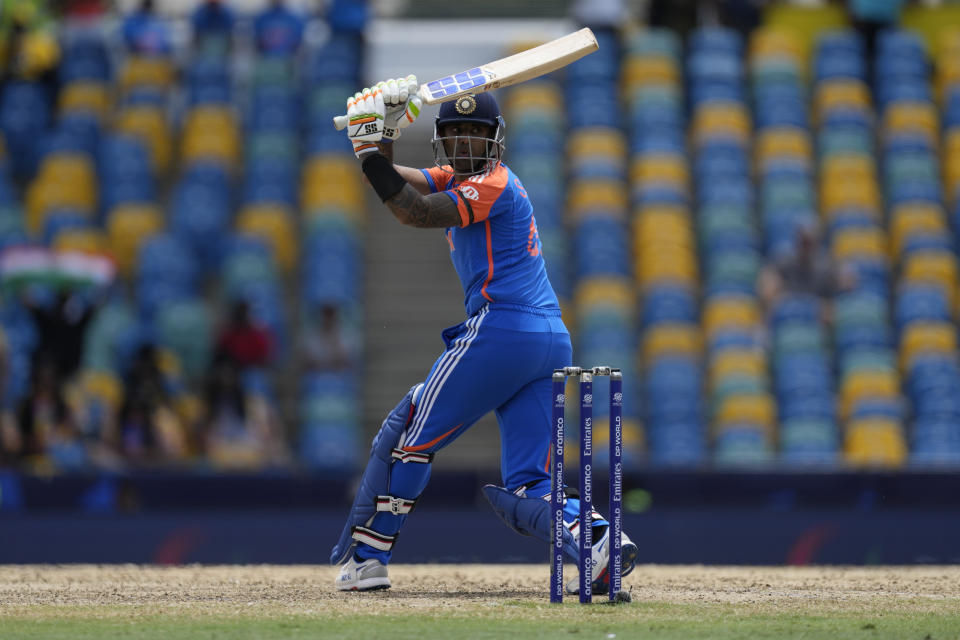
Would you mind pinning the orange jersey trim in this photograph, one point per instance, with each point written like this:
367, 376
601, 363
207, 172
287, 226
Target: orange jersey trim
421, 447
483, 291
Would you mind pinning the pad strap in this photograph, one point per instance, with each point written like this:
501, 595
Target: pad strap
375, 539
396, 506
383, 177
412, 456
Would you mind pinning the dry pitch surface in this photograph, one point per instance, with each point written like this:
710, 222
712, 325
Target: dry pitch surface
304, 588
495, 593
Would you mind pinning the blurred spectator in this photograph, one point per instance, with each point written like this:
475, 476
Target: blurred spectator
61, 328
277, 30
149, 429
241, 432
83, 20
213, 23
11, 441
808, 270
146, 33
245, 342
28, 43
48, 432
324, 347
348, 17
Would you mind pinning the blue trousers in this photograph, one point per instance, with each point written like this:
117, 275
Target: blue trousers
501, 359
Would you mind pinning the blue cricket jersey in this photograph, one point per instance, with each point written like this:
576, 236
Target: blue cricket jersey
496, 250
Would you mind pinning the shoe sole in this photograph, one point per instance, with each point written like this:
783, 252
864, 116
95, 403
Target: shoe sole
371, 584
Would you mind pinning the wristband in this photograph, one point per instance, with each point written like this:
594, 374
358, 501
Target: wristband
384, 179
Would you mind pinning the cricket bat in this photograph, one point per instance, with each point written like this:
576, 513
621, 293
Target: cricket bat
505, 72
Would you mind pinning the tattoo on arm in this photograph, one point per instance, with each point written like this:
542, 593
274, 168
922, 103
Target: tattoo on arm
434, 211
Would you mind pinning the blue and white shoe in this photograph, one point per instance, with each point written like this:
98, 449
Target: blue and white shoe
600, 559
365, 575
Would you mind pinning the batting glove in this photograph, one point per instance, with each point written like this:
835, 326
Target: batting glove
402, 104
365, 111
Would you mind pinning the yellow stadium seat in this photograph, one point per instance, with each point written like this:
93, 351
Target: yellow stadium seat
276, 225
603, 141
85, 240
750, 363
909, 219
90, 96
651, 219
936, 267
676, 272
128, 226
948, 42
808, 20
211, 132
772, 42
868, 383
43, 198
210, 146
595, 292
721, 312
952, 140
850, 243
210, 116
947, 76
660, 168
646, 70
912, 117
538, 96
926, 337
332, 181
843, 93
847, 166
671, 339
874, 442
930, 20
750, 408
851, 193
64, 180
150, 125
141, 71
593, 195
721, 119
783, 142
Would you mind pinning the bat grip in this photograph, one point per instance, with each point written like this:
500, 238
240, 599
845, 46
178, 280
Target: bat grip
339, 122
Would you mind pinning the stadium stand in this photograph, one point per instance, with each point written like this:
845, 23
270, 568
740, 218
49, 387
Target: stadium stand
669, 174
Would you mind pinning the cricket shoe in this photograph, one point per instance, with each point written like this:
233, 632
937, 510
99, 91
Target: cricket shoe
363, 575
600, 558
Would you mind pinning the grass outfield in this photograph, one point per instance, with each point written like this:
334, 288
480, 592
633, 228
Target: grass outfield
472, 601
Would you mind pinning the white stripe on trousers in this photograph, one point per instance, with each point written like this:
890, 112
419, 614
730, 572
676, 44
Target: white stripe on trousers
447, 364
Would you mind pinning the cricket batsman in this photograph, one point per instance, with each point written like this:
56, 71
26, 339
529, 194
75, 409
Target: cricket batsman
499, 359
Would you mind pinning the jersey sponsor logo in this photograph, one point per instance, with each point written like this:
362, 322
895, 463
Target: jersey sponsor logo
470, 192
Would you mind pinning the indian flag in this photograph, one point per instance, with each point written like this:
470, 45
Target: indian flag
70, 269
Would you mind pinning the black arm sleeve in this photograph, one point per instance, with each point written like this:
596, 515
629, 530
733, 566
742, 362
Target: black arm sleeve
386, 181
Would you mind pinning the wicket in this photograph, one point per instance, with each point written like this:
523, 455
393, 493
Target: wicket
586, 480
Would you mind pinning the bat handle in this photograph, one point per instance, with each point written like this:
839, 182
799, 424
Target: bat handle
339, 122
